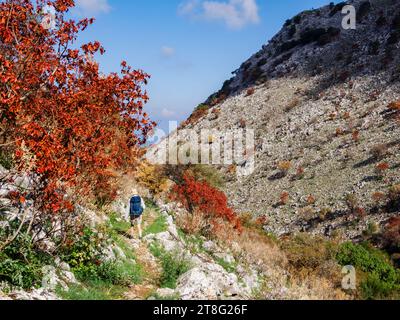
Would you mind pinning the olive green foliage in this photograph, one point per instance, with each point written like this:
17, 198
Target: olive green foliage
86, 260
307, 252
173, 266
20, 263
209, 174
84, 255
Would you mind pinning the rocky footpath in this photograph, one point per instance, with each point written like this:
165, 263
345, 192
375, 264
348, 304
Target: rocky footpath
206, 279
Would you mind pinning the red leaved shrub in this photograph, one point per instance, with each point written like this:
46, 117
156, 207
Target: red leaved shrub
199, 195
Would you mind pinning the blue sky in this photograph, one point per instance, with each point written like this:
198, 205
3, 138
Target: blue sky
188, 47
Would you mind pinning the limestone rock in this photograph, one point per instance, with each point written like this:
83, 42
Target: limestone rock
208, 281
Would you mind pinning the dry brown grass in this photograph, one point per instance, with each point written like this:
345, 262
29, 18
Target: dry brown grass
194, 223
314, 271
258, 249
315, 288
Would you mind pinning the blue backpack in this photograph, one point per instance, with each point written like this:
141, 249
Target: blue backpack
136, 209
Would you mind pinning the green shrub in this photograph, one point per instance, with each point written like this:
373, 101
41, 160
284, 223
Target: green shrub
119, 273
173, 266
379, 278
84, 255
20, 263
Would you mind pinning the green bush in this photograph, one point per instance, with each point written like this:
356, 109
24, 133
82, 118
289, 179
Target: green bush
85, 253
85, 258
20, 263
173, 266
379, 278
117, 273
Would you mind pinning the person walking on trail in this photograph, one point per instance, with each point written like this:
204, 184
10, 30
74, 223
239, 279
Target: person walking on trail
136, 210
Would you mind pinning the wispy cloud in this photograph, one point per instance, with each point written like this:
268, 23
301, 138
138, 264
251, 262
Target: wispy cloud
235, 14
90, 7
167, 52
167, 113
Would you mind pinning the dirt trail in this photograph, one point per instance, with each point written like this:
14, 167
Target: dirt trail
144, 258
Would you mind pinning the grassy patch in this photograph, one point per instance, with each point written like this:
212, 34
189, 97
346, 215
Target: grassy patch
173, 266
119, 225
229, 267
93, 290
158, 226
100, 280
194, 243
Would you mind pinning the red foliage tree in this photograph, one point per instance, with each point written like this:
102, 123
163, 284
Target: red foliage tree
200, 195
74, 124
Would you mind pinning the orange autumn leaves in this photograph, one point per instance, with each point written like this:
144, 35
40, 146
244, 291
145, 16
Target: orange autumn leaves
77, 124
199, 195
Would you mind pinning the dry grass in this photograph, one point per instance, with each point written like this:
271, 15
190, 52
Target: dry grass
315, 274
194, 223
316, 288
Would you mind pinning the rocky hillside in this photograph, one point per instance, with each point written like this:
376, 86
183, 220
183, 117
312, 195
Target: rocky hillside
327, 140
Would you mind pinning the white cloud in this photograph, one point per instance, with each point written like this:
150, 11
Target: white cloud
93, 6
167, 52
188, 7
236, 14
167, 113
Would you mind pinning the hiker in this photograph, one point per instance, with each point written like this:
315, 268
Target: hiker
136, 209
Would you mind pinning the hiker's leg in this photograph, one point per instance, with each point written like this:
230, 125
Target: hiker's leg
132, 229
139, 223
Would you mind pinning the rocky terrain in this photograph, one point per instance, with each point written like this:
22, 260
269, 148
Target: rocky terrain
326, 144
212, 271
